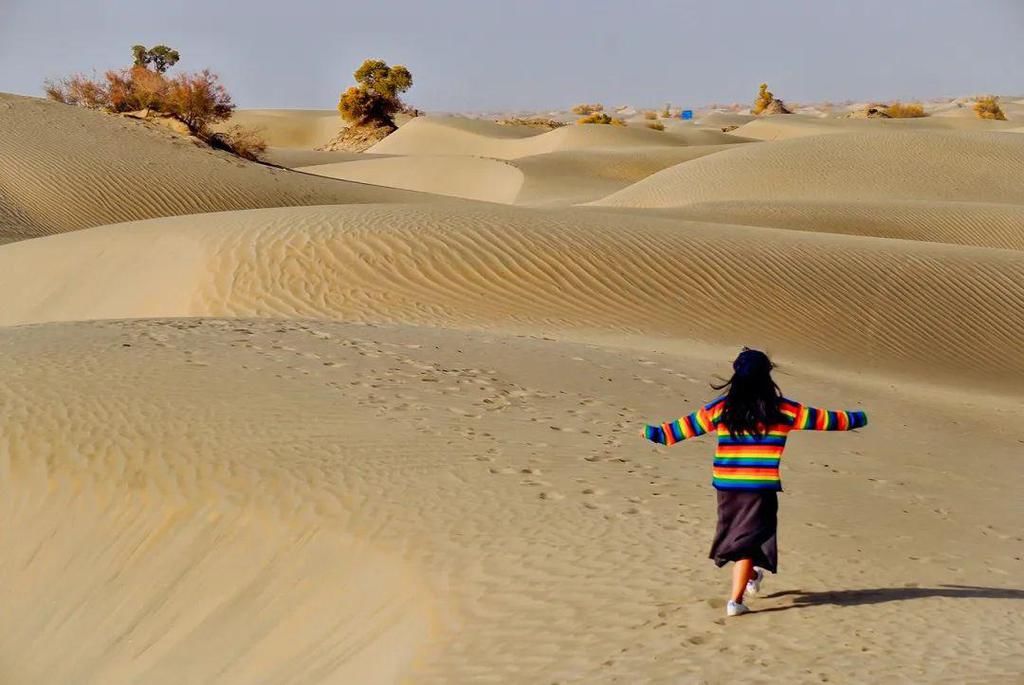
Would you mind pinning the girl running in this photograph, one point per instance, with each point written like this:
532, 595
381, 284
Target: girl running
752, 421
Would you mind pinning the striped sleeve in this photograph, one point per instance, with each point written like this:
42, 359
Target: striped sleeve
813, 419
697, 423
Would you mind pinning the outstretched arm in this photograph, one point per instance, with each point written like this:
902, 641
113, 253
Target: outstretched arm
813, 419
697, 423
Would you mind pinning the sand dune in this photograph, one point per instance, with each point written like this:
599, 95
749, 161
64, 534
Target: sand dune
467, 177
65, 168
796, 126
314, 502
721, 119
956, 223
290, 128
577, 176
918, 165
291, 158
448, 136
204, 544
556, 179
876, 303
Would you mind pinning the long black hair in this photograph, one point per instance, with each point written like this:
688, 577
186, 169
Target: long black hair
752, 397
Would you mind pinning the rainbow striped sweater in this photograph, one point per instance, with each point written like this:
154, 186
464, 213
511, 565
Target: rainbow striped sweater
751, 462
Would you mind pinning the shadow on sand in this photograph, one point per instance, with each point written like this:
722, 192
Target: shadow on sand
888, 594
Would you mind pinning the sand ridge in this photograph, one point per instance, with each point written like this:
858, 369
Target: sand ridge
919, 166
865, 302
67, 168
289, 128
472, 178
450, 135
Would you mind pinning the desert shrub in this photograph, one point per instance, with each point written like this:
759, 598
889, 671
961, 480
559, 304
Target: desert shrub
764, 99
160, 57
241, 140
198, 100
767, 103
649, 115
77, 90
374, 100
987, 107
600, 118
656, 125
899, 110
586, 109
130, 90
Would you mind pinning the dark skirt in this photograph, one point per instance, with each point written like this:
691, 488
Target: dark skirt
747, 523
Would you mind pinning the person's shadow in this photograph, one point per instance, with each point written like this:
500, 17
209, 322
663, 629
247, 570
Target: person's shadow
888, 594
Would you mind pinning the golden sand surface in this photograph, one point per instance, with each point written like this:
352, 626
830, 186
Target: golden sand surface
374, 419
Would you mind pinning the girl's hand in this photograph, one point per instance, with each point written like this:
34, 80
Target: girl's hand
653, 433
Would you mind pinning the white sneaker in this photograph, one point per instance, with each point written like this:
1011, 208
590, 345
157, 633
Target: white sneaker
735, 608
754, 586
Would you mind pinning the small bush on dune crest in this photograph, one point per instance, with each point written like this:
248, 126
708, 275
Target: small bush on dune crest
585, 109
131, 90
650, 115
374, 100
77, 90
600, 118
767, 103
988, 108
656, 125
197, 100
764, 98
899, 110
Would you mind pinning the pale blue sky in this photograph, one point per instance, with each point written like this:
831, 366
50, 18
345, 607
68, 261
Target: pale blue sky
527, 54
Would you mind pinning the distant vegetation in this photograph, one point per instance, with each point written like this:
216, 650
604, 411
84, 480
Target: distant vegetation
196, 100
667, 112
987, 107
899, 110
764, 98
534, 122
650, 115
585, 109
600, 118
767, 103
656, 125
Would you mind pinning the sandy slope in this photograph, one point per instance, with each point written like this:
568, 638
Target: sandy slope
312, 502
892, 165
467, 177
291, 158
796, 126
858, 302
63, 168
577, 176
958, 223
447, 136
555, 179
290, 128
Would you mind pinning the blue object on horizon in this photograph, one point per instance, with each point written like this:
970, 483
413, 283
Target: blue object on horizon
686, 114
